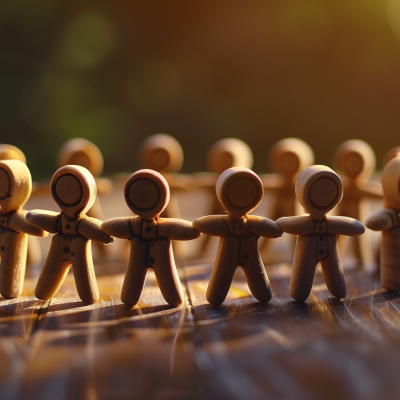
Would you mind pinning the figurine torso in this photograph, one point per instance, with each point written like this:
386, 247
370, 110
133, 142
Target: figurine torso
148, 249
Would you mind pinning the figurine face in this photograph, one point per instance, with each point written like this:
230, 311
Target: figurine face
289, 156
390, 180
147, 193
162, 153
159, 159
228, 153
319, 190
239, 190
81, 152
80, 158
355, 158
5, 184
15, 185
74, 190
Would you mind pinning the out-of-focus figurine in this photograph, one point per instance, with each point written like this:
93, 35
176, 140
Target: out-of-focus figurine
81, 152
224, 154
34, 254
287, 159
240, 191
147, 195
388, 221
164, 154
15, 189
319, 190
74, 190
355, 162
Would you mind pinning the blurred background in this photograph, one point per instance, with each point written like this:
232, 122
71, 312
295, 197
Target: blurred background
259, 70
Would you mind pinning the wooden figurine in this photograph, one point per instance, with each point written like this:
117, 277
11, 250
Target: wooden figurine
15, 189
147, 195
240, 191
81, 152
355, 161
388, 221
74, 190
287, 158
224, 154
319, 190
34, 254
163, 153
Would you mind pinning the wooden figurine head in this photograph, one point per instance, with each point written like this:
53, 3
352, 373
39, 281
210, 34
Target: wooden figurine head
390, 180
81, 152
228, 153
147, 193
162, 153
392, 153
9, 152
290, 156
239, 190
355, 159
74, 190
15, 185
319, 190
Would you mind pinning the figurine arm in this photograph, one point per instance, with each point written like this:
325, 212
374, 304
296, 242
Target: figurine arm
298, 225
177, 229
19, 223
211, 225
263, 227
119, 227
104, 185
90, 228
46, 220
379, 221
344, 226
180, 181
271, 181
372, 190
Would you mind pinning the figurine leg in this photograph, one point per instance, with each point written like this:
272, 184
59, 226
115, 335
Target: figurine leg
303, 271
13, 262
333, 271
257, 279
253, 268
168, 279
223, 270
54, 271
136, 273
82, 267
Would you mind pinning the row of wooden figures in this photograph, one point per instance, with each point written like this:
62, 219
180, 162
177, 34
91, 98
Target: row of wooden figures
354, 160
318, 189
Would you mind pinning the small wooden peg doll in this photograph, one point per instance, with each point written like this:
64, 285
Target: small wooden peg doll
147, 195
74, 190
163, 153
355, 162
81, 152
34, 254
319, 190
224, 154
287, 158
240, 191
15, 189
388, 221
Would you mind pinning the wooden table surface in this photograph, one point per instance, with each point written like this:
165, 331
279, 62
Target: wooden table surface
322, 349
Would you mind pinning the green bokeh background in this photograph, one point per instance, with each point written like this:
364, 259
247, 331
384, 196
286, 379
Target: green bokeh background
115, 72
